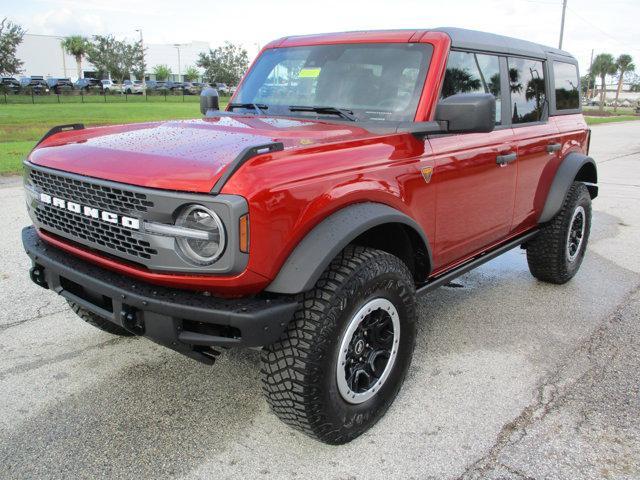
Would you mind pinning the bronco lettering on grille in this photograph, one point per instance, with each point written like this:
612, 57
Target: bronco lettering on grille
128, 222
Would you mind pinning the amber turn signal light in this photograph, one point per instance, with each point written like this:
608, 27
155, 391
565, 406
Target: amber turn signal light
244, 233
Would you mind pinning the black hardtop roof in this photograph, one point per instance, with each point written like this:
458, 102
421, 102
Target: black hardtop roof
476, 40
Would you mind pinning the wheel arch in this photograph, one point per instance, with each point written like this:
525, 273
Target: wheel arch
368, 224
574, 167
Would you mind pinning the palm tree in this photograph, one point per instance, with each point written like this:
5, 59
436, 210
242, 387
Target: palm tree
624, 65
161, 72
191, 74
78, 46
603, 65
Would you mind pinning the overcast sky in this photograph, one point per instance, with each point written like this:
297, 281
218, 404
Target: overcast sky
606, 26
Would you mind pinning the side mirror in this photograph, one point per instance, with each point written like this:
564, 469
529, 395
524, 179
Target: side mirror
209, 100
468, 112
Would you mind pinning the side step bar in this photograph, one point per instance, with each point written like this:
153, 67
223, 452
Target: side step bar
473, 263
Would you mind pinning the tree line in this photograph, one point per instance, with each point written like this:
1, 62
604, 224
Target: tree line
121, 59
117, 59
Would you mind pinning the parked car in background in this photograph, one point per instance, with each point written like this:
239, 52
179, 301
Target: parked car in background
192, 88
109, 86
25, 81
132, 87
222, 88
156, 85
35, 84
10, 85
174, 86
58, 85
87, 84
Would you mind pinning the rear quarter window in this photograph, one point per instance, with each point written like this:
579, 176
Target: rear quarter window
566, 84
527, 89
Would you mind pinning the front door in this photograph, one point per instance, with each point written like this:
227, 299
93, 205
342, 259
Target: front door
475, 177
474, 174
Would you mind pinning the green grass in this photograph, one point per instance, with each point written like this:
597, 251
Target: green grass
22, 125
621, 110
617, 118
12, 154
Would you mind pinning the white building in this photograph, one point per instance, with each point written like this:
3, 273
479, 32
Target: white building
178, 57
43, 55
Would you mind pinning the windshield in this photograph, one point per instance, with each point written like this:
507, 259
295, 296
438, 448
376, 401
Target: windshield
380, 82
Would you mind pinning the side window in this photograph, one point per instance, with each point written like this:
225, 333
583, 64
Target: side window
526, 85
473, 73
565, 77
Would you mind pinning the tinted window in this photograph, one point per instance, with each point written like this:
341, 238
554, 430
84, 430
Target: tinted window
526, 84
565, 76
472, 73
374, 81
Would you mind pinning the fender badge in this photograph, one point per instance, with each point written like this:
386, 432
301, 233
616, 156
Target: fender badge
426, 173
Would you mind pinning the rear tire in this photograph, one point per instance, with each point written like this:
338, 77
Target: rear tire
342, 360
99, 322
556, 253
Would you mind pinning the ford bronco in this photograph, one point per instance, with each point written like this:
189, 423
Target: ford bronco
349, 173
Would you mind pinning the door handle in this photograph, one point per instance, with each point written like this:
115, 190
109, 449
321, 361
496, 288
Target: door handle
506, 159
554, 147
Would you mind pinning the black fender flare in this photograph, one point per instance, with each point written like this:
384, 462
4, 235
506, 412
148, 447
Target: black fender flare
321, 245
566, 174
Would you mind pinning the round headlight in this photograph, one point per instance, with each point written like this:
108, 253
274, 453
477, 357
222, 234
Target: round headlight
205, 241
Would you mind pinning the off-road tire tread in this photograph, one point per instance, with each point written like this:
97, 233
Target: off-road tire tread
98, 322
291, 366
546, 252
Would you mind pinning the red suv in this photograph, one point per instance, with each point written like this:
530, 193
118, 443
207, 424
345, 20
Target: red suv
350, 173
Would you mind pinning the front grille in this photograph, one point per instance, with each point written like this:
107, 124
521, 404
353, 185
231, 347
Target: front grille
93, 231
112, 199
81, 210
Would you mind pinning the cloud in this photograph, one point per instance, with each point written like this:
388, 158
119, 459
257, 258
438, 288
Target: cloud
64, 21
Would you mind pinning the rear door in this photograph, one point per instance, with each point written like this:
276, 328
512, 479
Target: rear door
537, 139
474, 173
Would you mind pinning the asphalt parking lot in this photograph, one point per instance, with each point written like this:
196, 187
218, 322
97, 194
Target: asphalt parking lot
512, 378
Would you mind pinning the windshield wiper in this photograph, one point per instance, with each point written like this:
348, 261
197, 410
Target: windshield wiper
258, 107
341, 112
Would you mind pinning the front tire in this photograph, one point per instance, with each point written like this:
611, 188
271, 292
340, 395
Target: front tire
342, 360
556, 253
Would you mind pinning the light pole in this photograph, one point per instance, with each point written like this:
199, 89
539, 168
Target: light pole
591, 79
177, 45
139, 30
564, 9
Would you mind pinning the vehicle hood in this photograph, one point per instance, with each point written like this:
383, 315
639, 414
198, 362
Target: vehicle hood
188, 155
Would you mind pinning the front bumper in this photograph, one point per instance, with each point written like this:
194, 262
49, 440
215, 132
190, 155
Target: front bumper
188, 322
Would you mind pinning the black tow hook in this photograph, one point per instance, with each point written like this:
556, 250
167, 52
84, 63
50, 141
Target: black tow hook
209, 355
131, 320
37, 276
